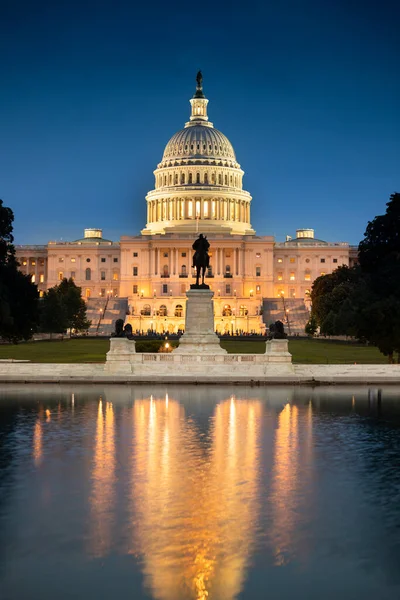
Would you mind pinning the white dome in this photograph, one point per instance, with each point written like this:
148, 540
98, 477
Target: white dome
200, 142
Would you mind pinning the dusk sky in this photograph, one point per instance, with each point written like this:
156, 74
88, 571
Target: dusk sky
308, 92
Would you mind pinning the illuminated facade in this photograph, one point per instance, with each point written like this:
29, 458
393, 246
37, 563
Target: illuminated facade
198, 188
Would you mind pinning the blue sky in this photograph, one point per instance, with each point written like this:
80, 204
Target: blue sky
307, 92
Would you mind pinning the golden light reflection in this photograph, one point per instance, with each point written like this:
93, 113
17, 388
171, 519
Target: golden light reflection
48, 415
194, 498
103, 482
291, 481
38, 442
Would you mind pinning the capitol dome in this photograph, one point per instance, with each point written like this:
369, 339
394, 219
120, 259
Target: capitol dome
198, 183
199, 142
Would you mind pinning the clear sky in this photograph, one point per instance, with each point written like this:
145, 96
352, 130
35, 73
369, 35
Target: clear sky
307, 91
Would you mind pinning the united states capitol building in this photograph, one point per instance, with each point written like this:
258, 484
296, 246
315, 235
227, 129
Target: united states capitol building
198, 189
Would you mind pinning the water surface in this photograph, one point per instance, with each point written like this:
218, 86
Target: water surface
199, 493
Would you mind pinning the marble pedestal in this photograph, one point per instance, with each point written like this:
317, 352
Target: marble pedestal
199, 336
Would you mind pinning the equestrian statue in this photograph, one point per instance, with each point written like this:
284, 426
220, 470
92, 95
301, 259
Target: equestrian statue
201, 259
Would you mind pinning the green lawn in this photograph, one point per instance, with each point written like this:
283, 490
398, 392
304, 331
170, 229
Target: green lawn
94, 350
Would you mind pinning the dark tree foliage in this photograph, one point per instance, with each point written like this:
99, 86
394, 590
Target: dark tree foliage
18, 295
365, 301
64, 308
53, 316
311, 326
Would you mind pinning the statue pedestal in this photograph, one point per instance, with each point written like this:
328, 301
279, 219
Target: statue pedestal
199, 336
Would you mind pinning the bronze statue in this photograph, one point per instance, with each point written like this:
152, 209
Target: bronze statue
199, 80
277, 331
119, 328
201, 259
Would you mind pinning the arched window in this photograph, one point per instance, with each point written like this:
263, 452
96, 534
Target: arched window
205, 177
165, 271
87, 293
197, 177
226, 179
183, 270
179, 310
212, 177
243, 311
88, 274
190, 178
183, 178
176, 178
146, 310
170, 178
163, 311
227, 311
220, 179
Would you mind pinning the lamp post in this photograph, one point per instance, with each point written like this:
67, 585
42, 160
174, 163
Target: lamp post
285, 311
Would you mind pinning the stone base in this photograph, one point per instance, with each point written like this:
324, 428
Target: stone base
118, 358
277, 351
199, 336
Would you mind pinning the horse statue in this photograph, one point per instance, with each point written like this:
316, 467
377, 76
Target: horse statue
201, 259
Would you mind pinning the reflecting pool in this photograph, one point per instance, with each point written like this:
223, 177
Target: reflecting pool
199, 493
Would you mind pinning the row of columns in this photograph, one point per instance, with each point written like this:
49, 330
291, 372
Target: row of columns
218, 261
177, 209
36, 269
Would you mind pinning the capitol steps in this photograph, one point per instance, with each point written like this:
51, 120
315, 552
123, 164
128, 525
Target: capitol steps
104, 312
296, 312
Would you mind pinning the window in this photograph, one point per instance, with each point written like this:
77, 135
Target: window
280, 276
228, 289
165, 288
103, 260
102, 292
41, 278
115, 276
228, 268
134, 289
190, 178
33, 277
103, 275
322, 260
115, 259
322, 274
135, 255
258, 254
292, 276
60, 276
88, 260
258, 271
165, 255
292, 260
60, 260
335, 260
163, 311
292, 293
73, 259
258, 289
146, 310
135, 271
165, 271
307, 276
227, 311
307, 260
243, 311
179, 310
183, 271
197, 177
205, 178
88, 274
280, 260
87, 292
72, 274
183, 254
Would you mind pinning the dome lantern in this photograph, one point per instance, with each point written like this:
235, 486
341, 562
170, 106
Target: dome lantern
199, 104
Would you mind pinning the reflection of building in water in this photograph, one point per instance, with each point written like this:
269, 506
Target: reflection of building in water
195, 498
37, 441
291, 481
103, 482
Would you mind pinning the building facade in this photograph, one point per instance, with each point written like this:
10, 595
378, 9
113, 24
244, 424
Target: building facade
198, 188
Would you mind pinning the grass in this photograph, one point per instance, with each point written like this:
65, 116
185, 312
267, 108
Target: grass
307, 351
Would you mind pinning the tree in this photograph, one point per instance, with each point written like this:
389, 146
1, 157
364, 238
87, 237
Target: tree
328, 294
311, 325
19, 314
64, 308
53, 316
